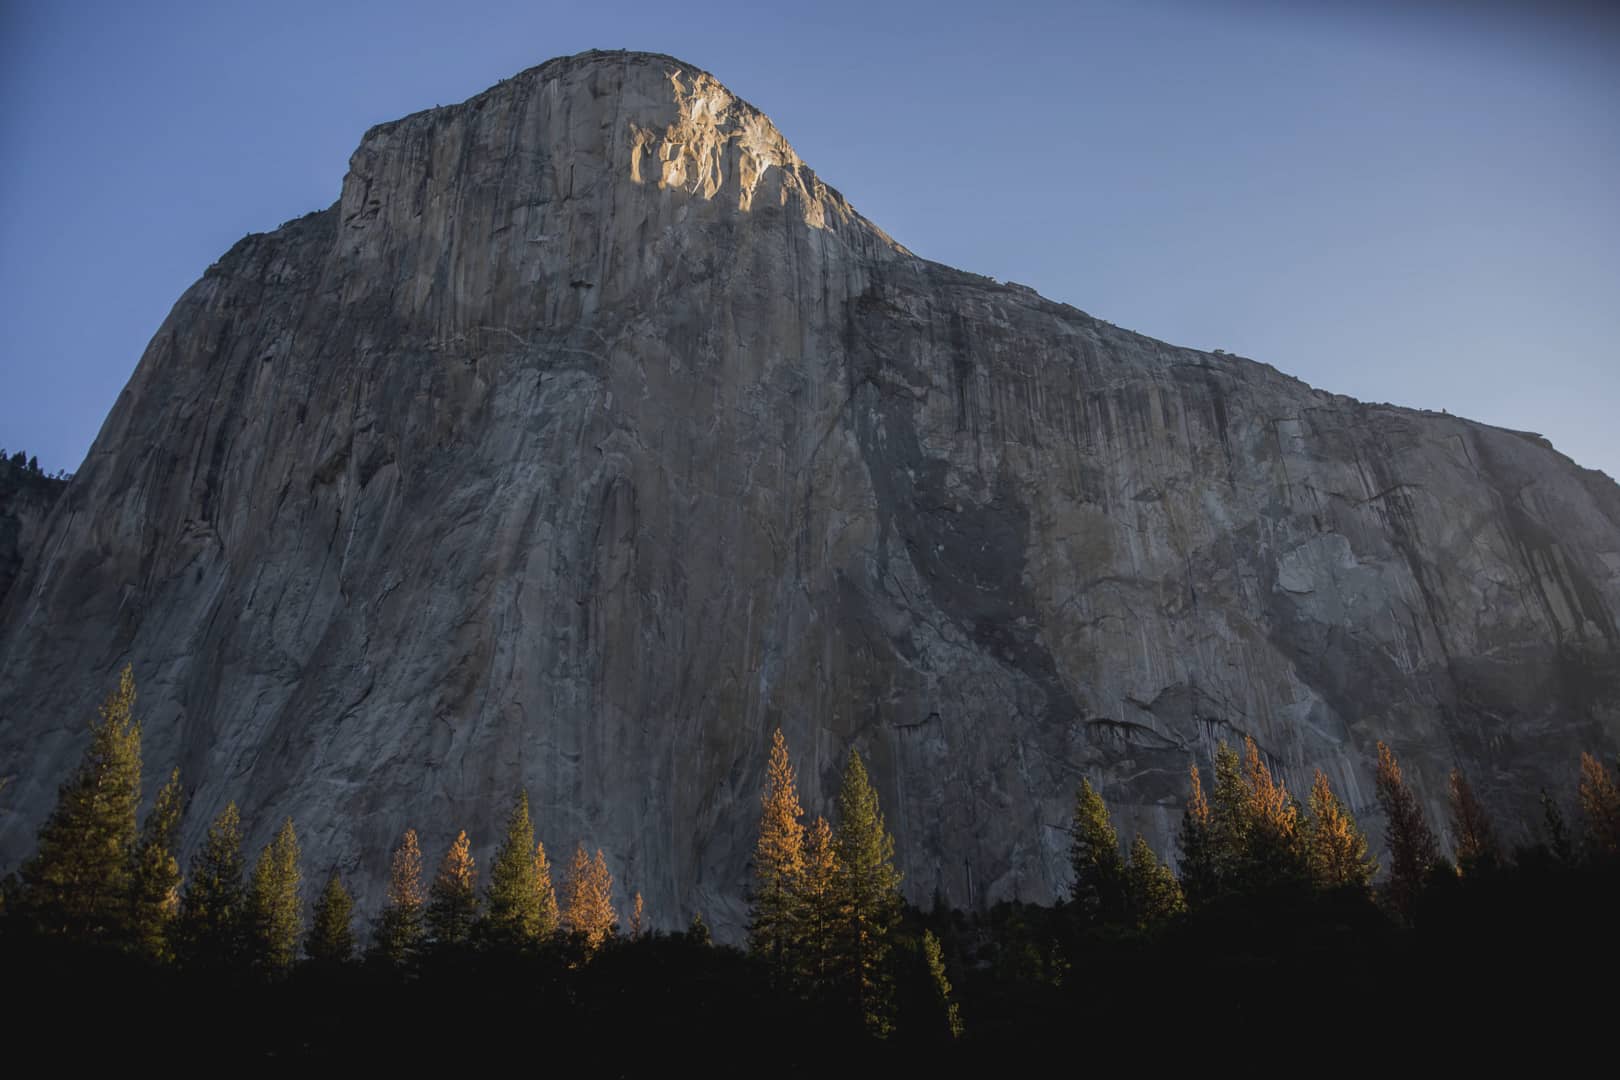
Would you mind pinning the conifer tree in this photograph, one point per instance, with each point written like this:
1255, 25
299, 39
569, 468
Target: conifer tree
452, 908
214, 922
816, 903
77, 884
155, 876
636, 915
1600, 806
513, 914
1477, 850
1199, 879
778, 861
550, 915
1153, 891
1276, 852
1557, 832
276, 903
1230, 819
331, 935
590, 912
698, 932
1099, 888
867, 888
934, 958
1336, 846
397, 938
1412, 850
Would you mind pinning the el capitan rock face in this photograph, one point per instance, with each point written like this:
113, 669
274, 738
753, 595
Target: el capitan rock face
589, 437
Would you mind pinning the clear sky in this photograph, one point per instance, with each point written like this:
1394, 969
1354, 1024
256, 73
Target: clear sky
1416, 203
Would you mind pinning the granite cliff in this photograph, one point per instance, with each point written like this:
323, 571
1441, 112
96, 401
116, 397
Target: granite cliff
26, 498
590, 436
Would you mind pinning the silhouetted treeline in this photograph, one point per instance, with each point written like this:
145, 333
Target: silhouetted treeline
1276, 927
22, 465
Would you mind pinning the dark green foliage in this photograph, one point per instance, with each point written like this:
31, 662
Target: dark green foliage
452, 909
155, 876
1275, 852
22, 470
698, 932
77, 884
1336, 848
1413, 852
1231, 819
398, 934
400, 928
1200, 879
276, 904
513, 912
1098, 891
1276, 960
213, 926
1555, 832
331, 934
1153, 893
949, 1011
867, 893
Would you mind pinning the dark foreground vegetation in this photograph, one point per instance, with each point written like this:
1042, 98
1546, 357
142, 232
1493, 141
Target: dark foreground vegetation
1270, 939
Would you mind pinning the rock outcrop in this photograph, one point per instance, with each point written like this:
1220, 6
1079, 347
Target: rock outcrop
589, 437
26, 498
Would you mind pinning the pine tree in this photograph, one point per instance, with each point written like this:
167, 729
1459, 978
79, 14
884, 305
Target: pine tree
513, 914
867, 888
550, 916
397, 937
1557, 832
934, 958
331, 935
1230, 820
590, 913
77, 884
452, 908
1412, 850
1199, 880
778, 861
637, 927
698, 932
1600, 805
816, 908
155, 876
1336, 846
1099, 889
214, 923
1477, 850
1275, 853
607, 923
276, 904
1153, 891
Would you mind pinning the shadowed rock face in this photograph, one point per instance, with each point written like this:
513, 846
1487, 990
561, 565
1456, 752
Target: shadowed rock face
26, 499
589, 437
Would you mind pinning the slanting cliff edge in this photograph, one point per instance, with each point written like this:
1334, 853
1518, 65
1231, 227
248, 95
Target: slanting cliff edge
589, 437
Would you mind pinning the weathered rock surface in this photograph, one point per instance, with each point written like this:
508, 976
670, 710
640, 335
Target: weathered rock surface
590, 436
26, 498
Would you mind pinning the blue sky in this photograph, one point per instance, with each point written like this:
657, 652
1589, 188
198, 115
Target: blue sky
1416, 203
